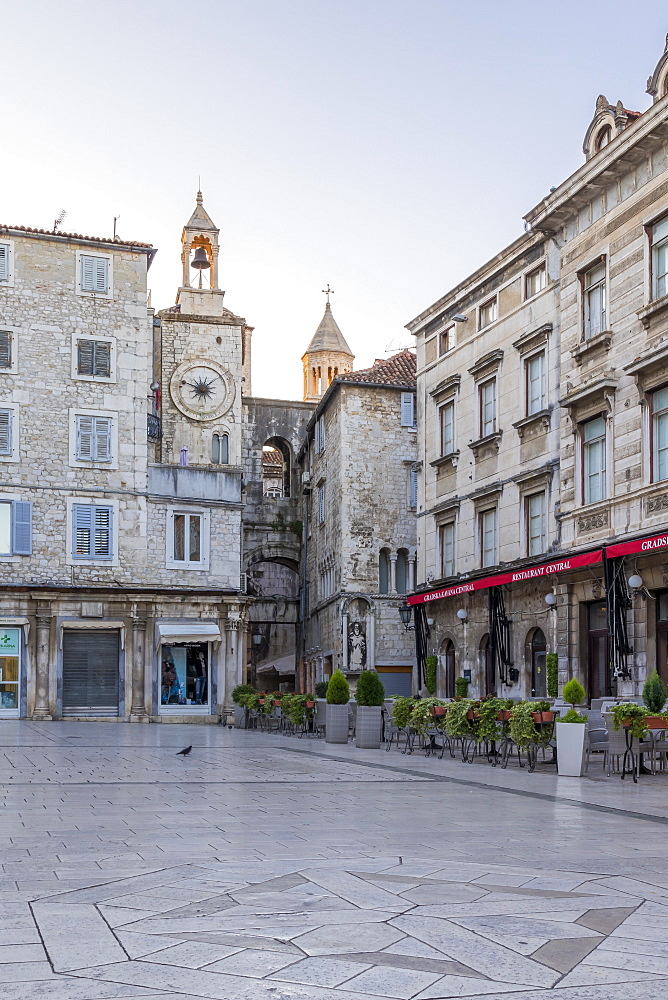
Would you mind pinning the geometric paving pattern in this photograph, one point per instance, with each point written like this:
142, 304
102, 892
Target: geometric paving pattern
128, 872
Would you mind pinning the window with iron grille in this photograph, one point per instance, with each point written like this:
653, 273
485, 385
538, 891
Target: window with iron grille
92, 531
94, 358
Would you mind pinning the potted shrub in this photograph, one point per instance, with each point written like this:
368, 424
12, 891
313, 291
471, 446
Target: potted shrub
571, 732
421, 718
630, 716
457, 722
430, 666
552, 669
401, 711
338, 696
369, 695
240, 696
461, 687
321, 689
654, 696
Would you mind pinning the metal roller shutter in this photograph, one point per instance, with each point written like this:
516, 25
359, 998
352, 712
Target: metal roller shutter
90, 672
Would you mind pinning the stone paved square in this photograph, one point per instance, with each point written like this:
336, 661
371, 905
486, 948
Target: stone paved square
267, 866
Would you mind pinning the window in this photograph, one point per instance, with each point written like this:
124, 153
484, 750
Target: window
660, 434
660, 258
187, 538
603, 138
447, 428
321, 504
408, 414
536, 526
535, 281
94, 358
6, 443
319, 435
446, 533
446, 340
413, 499
487, 314
6, 263
487, 392
5, 348
593, 465
220, 449
94, 274
402, 571
15, 528
383, 572
93, 439
92, 531
594, 300
488, 542
535, 383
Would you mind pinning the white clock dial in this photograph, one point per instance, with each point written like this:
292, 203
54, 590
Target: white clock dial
202, 390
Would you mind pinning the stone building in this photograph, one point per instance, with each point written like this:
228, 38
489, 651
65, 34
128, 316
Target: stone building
555, 572
358, 475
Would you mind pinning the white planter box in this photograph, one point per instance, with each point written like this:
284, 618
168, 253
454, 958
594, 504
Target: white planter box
337, 724
570, 748
367, 729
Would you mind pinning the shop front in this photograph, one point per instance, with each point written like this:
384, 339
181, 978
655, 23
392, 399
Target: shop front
186, 679
11, 646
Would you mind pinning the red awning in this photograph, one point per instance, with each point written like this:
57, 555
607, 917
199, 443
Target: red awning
515, 576
638, 545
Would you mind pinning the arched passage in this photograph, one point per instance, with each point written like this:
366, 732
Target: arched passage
276, 468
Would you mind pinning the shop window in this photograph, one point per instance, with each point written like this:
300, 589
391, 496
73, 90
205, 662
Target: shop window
660, 434
184, 674
449, 663
659, 261
10, 651
538, 650
593, 460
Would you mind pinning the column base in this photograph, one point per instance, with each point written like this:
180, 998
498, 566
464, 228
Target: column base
139, 717
43, 716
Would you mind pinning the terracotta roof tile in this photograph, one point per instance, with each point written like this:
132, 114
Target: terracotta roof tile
398, 370
77, 236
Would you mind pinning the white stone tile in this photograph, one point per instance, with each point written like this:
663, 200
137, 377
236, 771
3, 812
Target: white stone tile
383, 981
191, 954
356, 890
348, 939
252, 962
60, 926
416, 949
320, 971
466, 986
590, 975
21, 952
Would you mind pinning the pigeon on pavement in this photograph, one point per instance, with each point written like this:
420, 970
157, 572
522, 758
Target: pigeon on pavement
184, 752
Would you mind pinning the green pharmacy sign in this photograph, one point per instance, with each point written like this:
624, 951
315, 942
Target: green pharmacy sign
9, 641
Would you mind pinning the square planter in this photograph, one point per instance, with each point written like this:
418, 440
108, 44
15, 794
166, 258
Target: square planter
337, 724
239, 717
367, 730
570, 748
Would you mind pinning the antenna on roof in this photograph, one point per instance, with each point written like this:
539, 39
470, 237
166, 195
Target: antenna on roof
116, 218
58, 221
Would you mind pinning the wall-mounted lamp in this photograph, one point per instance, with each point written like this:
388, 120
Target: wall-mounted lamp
406, 615
460, 319
550, 599
257, 638
635, 582
430, 622
462, 614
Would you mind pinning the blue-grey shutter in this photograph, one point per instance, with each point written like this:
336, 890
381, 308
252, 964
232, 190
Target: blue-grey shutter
5, 349
4, 261
101, 273
22, 528
82, 515
407, 409
414, 487
102, 546
87, 273
321, 505
5, 432
102, 364
102, 450
85, 357
85, 437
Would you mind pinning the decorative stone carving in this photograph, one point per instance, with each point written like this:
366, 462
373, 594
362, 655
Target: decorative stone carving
596, 589
654, 505
594, 521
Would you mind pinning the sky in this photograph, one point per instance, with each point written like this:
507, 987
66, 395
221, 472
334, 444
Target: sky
386, 147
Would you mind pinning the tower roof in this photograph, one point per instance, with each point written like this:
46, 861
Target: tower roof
200, 219
328, 337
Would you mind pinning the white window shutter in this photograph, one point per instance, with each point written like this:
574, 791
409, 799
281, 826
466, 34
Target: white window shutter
102, 451
4, 261
414, 487
101, 272
85, 437
407, 409
5, 432
82, 515
322, 433
87, 273
22, 528
103, 526
102, 365
5, 348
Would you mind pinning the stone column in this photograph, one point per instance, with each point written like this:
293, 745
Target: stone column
231, 661
393, 572
411, 574
185, 256
138, 709
42, 647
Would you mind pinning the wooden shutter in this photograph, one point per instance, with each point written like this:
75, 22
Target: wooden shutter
22, 528
103, 538
85, 350
102, 366
87, 274
321, 505
414, 487
407, 409
4, 261
85, 437
5, 349
94, 274
83, 521
5, 432
102, 451
101, 271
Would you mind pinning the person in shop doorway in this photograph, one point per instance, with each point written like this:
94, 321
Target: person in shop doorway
200, 677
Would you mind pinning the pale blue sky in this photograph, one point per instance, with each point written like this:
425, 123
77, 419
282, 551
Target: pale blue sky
388, 147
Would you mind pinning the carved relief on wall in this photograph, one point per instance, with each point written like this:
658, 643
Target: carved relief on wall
656, 505
594, 521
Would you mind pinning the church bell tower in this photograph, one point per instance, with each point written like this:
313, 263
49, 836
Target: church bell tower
327, 356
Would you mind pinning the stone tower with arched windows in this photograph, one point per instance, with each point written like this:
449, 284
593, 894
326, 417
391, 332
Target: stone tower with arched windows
327, 356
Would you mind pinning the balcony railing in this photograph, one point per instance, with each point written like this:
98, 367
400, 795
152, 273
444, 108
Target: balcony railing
153, 427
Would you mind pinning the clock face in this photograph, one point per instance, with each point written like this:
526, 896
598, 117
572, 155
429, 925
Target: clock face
202, 390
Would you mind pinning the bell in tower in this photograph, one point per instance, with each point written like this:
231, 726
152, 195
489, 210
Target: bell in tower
199, 254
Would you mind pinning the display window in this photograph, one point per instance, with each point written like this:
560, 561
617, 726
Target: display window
10, 659
184, 676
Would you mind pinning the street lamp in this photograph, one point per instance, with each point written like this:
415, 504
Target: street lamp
462, 614
550, 599
635, 582
406, 614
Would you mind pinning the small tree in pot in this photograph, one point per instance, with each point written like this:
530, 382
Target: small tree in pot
369, 695
338, 696
571, 732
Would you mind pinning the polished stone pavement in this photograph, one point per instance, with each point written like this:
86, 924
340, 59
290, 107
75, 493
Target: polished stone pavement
264, 868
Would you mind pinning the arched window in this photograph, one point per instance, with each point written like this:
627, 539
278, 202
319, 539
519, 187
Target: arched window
402, 571
276, 465
384, 572
220, 449
538, 669
603, 138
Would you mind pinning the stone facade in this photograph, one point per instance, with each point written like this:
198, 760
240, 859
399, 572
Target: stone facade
358, 462
596, 451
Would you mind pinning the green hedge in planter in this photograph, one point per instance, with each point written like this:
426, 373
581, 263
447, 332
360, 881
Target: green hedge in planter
430, 665
552, 668
456, 722
421, 718
573, 693
654, 692
486, 726
321, 689
369, 690
338, 689
523, 729
401, 711
241, 694
461, 687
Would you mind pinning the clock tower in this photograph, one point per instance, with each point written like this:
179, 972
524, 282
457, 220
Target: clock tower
202, 353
